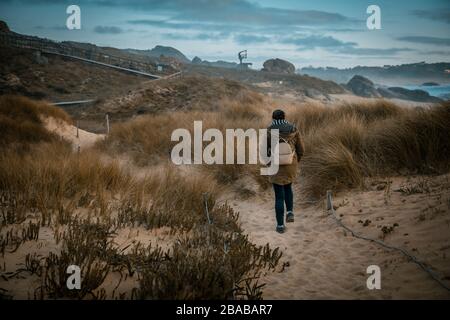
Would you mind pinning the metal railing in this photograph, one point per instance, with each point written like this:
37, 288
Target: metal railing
91, 55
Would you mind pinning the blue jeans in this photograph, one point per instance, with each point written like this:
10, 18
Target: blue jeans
283, 195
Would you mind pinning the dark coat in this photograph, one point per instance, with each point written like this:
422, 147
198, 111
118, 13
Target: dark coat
286, 173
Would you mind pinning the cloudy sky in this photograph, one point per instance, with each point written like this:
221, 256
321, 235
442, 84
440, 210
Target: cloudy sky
305, 32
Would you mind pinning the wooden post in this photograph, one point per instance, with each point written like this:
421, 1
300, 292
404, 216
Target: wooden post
205, 199
77, 130
107, 124
329, 201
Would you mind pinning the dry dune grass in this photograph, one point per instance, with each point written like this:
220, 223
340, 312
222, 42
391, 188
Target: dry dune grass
21, 108
186, 93
147, 139
418, 141
247, 109
315, 116
21, 123
54, 181
344, 143
86, 201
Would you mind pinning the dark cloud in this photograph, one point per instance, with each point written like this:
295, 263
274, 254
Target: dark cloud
438, 52
313, 41
108, 30
229, 11
233, 11
213, 36
198, 36
426, 40
328, 43
346, 30
372, 52
334, 45
442, 15
243, 12
250, 38
165, 24
186, 25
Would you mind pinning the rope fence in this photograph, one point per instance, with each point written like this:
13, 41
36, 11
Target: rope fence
412, 258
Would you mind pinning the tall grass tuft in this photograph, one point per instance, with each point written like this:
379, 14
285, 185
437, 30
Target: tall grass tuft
21, 121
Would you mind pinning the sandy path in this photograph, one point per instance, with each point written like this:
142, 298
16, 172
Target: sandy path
325, 262
79, 138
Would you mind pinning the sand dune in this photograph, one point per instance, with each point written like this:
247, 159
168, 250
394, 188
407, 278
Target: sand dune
78, 137
321, 260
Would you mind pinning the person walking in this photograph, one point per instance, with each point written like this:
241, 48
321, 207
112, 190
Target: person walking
290, 149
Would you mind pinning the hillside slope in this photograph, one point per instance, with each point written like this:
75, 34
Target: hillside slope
271, 83
177, 94
158, 51
56, 78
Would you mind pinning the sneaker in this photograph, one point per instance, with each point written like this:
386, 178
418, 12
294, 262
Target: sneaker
281, 229
290, 217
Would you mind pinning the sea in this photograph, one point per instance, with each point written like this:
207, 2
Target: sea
441, 91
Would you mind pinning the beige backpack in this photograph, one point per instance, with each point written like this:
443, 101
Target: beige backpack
286, 154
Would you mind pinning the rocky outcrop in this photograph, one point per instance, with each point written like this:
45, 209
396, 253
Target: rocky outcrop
413, 95
4, 27
162, 53
278, 66
218, 64
414, 73
168, 52
363, 87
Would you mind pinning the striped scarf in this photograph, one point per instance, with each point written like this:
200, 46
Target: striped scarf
279, 122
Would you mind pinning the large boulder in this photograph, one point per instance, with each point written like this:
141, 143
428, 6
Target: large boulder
3, 26
170, 52
430, 84
279, 66
363, 87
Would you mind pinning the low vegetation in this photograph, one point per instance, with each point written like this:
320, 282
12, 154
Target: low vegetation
344, 143
21, 121
86, 201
